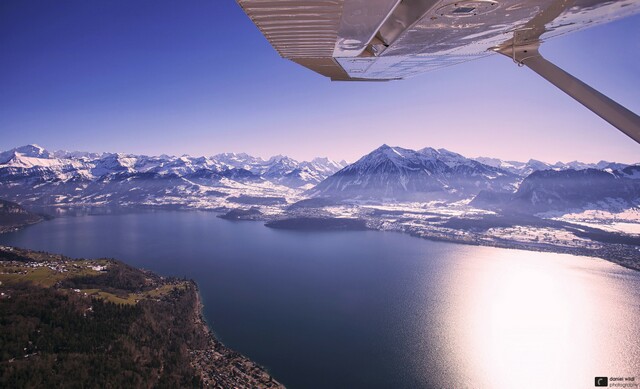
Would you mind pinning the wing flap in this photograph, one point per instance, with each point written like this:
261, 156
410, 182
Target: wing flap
297, 28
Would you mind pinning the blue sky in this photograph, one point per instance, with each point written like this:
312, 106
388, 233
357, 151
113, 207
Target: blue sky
197, 77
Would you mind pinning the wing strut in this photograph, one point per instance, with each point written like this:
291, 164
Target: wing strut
614, 113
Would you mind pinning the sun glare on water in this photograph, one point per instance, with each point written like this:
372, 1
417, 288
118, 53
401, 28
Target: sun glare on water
529, 323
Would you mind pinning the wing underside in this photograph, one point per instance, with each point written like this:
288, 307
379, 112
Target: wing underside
394, 39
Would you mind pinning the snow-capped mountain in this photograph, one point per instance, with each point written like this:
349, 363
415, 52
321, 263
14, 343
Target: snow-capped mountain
326, 165
29, 151
239, 160
404, 174
277, 167
64, 154
304, 175
524, 169
284, 170
31, 174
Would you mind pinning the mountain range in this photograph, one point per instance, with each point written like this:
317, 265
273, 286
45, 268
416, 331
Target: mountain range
32, 175
92, 166
526, 168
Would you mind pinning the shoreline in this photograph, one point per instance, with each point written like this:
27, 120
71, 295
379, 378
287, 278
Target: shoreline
18, 227
629, 255
540, 248
206, 361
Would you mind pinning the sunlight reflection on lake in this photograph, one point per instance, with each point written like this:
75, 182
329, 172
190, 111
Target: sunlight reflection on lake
531, 322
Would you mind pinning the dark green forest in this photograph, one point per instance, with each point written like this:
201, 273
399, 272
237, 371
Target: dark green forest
54, 337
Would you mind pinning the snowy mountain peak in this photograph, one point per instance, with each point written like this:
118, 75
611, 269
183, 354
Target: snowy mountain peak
84, 155
33, 151
535, 165
28, 151
393, 152
399, 173
429, 152
385, 151
448, 157
281, 159
405, 157
324, 163
323, 160
238, 160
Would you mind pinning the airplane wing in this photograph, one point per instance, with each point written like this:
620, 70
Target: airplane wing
394, 39
379, 40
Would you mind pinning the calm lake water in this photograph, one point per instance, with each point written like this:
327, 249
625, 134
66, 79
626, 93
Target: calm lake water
376, 309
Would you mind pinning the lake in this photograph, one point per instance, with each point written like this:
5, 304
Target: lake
371, 309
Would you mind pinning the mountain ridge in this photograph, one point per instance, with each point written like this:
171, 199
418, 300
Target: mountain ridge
32, 175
